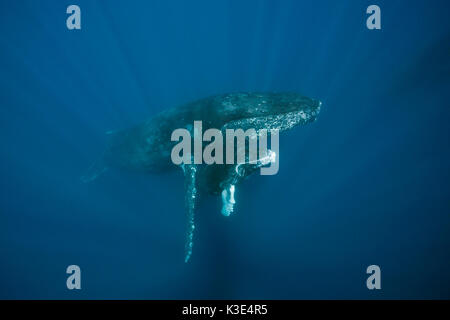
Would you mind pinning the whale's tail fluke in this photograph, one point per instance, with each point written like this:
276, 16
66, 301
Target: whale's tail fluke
100, 165
94, 171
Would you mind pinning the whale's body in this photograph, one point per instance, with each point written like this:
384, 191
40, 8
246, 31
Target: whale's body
147, 147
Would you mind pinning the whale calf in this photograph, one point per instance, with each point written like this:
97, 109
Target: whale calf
147, 147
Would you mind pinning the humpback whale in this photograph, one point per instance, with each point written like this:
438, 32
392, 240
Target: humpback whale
147, 147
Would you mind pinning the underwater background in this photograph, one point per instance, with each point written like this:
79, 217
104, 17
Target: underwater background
367, 183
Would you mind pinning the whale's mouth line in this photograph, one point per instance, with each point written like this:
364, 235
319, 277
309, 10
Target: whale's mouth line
280, 121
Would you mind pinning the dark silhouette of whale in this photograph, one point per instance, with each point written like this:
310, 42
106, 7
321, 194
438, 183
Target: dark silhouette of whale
147, 147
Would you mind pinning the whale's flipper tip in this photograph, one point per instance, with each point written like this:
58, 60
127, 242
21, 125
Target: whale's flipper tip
228, 200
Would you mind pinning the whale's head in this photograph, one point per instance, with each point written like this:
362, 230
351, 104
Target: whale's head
270, 111
293, 106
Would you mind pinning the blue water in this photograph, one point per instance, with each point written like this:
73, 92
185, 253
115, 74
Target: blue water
368, 183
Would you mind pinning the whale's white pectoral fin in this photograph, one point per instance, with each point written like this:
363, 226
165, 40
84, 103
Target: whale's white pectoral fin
190, 173
228, 200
